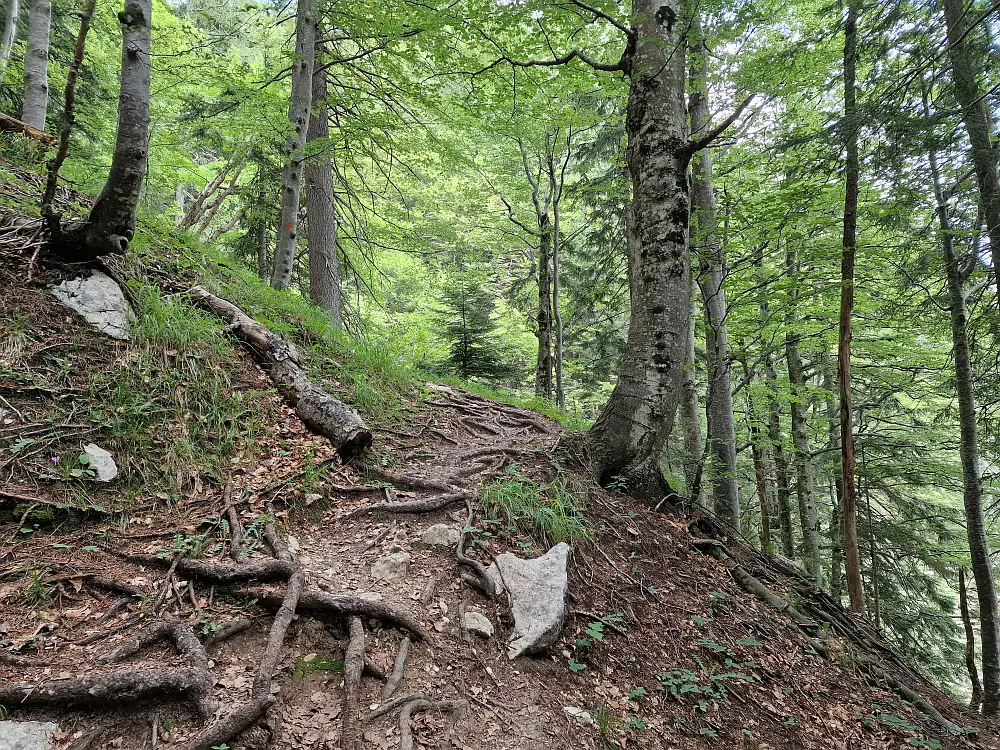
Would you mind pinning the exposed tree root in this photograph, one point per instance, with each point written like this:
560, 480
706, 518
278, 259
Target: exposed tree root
319, 603
477, 576
220, 573
409, 506
397, 670
354, 660
320, 411
416, 706
406, 480
225, 631
392, 705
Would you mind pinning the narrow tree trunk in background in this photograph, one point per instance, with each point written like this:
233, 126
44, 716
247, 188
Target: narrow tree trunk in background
543, 362
633, 428
852, 558
557, 316
780, 462
68, 118
970, 643
264, 264
111, 224
36, 64
9, 34
321, 211
800, 440
299, 106
760, 475
836, 550
872, 549
690, 414
705, 242
975, 116
837, 487
979, 552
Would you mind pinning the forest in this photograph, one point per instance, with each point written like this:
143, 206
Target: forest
743, 251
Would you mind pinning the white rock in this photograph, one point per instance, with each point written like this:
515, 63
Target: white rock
478, 623
391, 567
99, 300
101, 462
581, 716
312, 497
537, 591
441, 535
370, 596
26, 735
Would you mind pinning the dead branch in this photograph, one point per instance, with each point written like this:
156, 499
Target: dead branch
354, 659
321, 412
392, 706
397, 670
13, 125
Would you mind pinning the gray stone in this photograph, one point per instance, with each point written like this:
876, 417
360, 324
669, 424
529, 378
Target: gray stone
441, 535
312, 497
99, 299
391, 567
578, 714
26, 735
478, 623
537, 591
101, 462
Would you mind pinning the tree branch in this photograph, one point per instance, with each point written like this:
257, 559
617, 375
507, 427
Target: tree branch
697, 144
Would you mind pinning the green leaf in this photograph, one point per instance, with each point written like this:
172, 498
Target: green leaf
575, 666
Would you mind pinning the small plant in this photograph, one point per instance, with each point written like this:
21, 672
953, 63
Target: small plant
40, 589
575, 666
548, 513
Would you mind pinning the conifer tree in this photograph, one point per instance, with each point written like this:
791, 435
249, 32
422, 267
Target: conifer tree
470, 330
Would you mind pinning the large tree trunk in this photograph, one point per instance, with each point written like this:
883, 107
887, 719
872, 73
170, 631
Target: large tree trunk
809, 518
849, 512
705, 242
36, 64
631, 431
979, 552
973, 102
690, 414
543, 319
321, 212
780, 462
299, 106
9, 34
111, 224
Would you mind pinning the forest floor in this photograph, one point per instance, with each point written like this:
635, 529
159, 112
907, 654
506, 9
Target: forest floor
660, 647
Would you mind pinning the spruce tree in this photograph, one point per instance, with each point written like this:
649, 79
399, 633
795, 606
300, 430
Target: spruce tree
467, 325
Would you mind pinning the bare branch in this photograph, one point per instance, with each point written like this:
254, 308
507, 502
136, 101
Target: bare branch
697, 144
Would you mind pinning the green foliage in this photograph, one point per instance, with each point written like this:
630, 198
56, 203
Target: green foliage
469, 330
548, 513
304, 667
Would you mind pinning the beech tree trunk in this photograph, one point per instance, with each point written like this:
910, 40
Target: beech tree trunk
321, 211
783, 493
632, 429
977, 122
557, 188
800, 440
690, 414
970, 643
705, 242
979, 552
543, 319
299, 107
9, 34
111, 224
849, 509
760, 476
36, 64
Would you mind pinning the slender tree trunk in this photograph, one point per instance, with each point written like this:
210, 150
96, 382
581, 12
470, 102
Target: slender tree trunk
872, 548
836, 550
321, 211
68, 118
704, 239
852, 558
9, 34
979, 552
809, 516
690, 413
631, 431
556, 314
975, 116
543, 363
760, 475
780, 462
263, 245
111, 224
836, 488
36, 64
970, 643
299, 107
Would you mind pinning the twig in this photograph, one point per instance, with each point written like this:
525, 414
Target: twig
397, 670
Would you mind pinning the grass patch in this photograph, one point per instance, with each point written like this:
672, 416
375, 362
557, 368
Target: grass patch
305, 668
547, 513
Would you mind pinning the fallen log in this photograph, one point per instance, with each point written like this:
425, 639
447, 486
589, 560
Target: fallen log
13, 125
321, 412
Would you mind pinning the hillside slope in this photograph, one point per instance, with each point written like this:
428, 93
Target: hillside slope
660, 645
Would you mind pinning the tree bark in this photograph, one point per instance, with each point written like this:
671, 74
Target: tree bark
979, 552
557, 189
780, 462
970, 643
543, 362
299, 106
632, 429
690, 414
321, 211
9, 34
849, 512
976, 118
705, 242
759, 455
837, 487
809, 517
36, 64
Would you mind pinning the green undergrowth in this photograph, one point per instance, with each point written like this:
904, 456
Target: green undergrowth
546, 513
